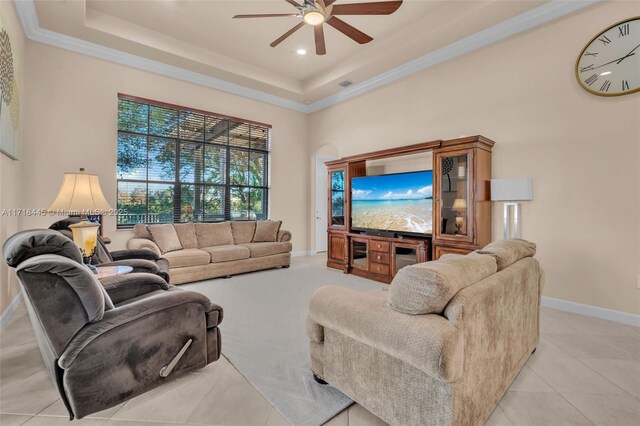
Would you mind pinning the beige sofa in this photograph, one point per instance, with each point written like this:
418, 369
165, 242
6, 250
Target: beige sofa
208, 250
441, 346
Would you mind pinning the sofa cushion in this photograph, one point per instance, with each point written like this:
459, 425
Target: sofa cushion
186, 234
508, 252
427, 288
267, 231
187, 257
243, 231
165, 237
267, 248
227, 253
140, 231
213, 234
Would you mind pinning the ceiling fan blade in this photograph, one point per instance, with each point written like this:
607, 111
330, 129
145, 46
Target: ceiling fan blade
321, 48
351, 32
379, 8
328, 3
294, 3
287, 34
268, 15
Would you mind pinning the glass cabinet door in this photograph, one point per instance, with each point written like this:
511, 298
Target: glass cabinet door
454, 190
336, 182
359, 252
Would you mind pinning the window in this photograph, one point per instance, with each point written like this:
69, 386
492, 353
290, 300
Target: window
177, 164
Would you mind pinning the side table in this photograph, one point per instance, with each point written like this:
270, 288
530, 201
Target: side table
110, 271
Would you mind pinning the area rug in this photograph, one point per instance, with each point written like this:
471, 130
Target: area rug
264, 336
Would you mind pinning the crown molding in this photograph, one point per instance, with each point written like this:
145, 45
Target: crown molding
547, 12
27, 13
510, 27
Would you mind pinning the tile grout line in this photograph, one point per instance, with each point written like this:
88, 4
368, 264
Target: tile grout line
585, 365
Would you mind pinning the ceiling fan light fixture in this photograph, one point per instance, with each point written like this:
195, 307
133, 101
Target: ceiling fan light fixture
313, 17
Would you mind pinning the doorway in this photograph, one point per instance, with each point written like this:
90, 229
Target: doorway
321, 203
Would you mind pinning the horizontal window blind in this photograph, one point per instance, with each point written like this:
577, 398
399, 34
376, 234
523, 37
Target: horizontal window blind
176, 164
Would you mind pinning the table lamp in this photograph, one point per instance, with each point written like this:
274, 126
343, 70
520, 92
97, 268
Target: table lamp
80, 193
511, 191
459, 206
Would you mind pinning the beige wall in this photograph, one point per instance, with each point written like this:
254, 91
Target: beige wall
581, 150
10, 170
72, 116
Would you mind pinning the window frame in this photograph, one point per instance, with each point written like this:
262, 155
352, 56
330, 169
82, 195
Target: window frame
227, 187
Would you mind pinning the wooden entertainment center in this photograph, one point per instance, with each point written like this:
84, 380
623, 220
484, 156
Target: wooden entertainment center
461, 205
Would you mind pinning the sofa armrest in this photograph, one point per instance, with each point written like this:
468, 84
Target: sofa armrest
135, 311
428, 342
142, 253
143, 243
284, 236
121, 288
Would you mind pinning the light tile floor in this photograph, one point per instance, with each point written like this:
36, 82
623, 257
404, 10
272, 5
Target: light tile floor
585, 371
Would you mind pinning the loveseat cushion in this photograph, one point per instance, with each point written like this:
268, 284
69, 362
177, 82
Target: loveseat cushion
165, 237
187, 235
243, 231
227, 253
267, 249
427, 288
508, 252
187, 257
267, 231
213, 234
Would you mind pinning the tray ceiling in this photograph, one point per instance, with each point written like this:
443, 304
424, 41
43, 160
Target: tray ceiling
200, 36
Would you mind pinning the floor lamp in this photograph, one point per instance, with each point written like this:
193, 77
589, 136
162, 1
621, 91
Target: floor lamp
511, 191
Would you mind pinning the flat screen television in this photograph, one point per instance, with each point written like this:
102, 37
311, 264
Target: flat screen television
401, 202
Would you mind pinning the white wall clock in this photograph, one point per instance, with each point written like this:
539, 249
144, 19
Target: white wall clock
609, 65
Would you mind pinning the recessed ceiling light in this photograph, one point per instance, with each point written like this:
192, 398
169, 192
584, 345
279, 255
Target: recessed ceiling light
301, 52
606, 73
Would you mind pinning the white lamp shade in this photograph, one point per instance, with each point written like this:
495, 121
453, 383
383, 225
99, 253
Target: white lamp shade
80, 193
459, 204
512, 189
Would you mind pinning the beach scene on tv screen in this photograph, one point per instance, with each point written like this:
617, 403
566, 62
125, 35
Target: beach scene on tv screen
398, 202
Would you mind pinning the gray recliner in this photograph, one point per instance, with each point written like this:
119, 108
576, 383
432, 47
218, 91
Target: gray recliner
103, 345
140, 260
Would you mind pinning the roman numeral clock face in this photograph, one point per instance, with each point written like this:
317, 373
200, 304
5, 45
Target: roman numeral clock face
610, 63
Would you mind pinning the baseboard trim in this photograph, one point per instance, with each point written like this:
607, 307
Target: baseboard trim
10, 309
592, 311
300, 253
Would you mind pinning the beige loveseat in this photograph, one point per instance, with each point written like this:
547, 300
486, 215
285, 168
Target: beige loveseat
208, 250
441, 346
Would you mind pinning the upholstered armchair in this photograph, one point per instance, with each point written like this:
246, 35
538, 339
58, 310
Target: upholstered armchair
103, 345
140, 260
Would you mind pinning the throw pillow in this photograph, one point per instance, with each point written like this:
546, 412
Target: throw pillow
267, 231
243, 231
140, 231
508, 252
165, 237
213, 234
187, 235
427, 288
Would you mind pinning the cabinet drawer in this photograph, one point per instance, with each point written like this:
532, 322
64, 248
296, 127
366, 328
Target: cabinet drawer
440, 250
379, 246
378, 257
378, 268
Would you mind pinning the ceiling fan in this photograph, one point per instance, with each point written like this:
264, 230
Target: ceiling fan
318, 12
